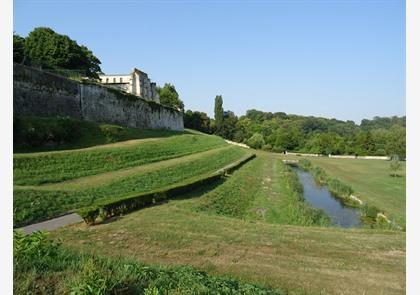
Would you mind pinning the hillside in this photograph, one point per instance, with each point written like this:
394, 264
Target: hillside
251, 225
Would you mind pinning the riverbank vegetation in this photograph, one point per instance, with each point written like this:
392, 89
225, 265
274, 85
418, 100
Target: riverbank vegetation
263, 190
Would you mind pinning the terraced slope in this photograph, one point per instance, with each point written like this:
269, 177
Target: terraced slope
39, 168
37, 203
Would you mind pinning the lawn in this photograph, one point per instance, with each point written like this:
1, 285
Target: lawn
371, 182
299, 260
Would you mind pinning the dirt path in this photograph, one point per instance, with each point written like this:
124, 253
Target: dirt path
52, 224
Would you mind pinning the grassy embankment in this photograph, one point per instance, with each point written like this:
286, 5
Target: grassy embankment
371, 182
39, 134
198, 229
264, 190
36, 203
42, 266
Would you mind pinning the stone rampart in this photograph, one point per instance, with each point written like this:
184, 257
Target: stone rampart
38, 93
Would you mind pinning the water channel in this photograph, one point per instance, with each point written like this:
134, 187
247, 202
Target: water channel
320, 197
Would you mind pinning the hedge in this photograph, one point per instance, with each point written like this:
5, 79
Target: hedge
112, 207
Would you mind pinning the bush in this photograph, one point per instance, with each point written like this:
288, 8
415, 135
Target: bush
111, 132
256, 141
37, 132
89, 214
267, 147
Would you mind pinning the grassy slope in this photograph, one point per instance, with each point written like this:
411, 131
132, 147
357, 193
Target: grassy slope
50, 167
371, 181
32, 205
300, 260
91, 134
261, 191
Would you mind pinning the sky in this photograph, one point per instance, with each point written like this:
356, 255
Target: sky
342, 59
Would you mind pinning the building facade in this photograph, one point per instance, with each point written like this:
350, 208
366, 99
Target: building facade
137, 83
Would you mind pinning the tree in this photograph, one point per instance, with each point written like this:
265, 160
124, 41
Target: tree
169, 97
47, 49
228, 128
18, 48
218, 112
256, 141
396, 141
395, 165
197, 120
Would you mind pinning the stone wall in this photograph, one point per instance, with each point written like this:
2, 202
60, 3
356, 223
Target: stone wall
37, 93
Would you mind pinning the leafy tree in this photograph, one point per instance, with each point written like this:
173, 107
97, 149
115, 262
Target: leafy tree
228, 127
197, 120
18, 48
395, 165
47, 49
218, 112
396, 141
256, 141
169, 97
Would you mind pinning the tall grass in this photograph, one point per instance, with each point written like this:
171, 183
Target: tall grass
35, 169
43, 266
31, 205
245, 190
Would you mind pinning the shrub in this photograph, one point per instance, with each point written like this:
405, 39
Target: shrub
256, 141
267, 147
89, 214
111, 132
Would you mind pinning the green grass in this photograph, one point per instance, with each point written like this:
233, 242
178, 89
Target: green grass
297, 259
264, 190
39, 168
40, 134
371, 182
42, 266
31, 205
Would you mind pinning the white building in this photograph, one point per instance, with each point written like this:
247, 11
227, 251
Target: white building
137, 83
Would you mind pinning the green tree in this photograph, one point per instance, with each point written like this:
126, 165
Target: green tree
218, 113
197, 120
228, 128
169, 97
395, 165
256, 141
396, 141
47, 49
18, 48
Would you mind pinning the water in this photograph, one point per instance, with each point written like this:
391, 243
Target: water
320, 197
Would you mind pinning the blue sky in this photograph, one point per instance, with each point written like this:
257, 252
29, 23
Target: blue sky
341, 59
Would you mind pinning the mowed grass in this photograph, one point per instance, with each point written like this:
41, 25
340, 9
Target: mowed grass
371, 182
35, 204
262, 190
49, 167
299, 260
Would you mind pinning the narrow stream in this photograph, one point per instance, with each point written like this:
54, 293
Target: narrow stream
320, 197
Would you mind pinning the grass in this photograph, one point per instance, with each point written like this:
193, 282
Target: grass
371, 182
31, 205
43, 266
39, 168
88, 134
264, 190
299, 260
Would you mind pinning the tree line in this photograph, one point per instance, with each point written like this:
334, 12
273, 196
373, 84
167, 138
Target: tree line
280, 132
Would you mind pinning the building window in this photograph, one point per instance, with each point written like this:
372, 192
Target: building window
114, 80
107, 80
121, 80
